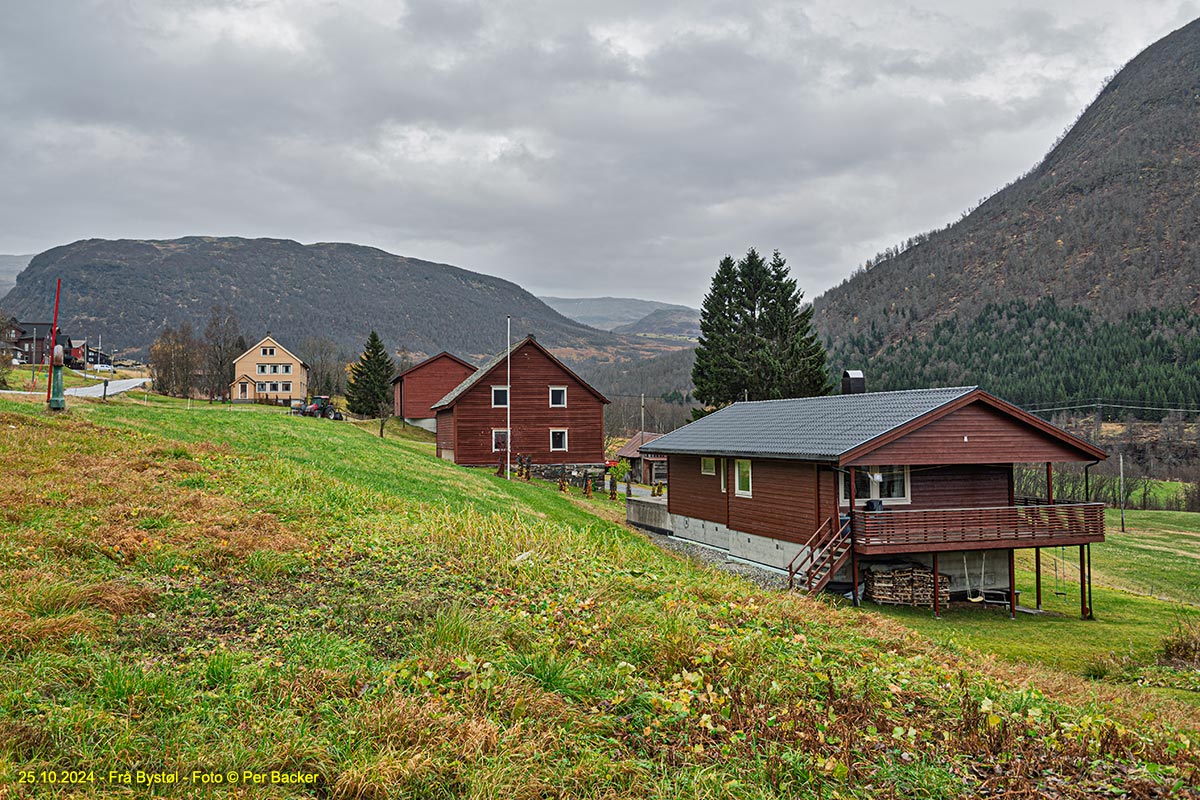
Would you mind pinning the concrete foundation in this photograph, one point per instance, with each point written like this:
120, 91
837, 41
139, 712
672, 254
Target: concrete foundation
425, 423
648, 513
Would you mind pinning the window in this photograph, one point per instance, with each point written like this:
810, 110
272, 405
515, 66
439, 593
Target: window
558, 439
274, 387
886, 483
708, 466
268, 351
499, 440
741, 485
287, 369
260, 387
558, 397
499, 397
264, 352
722, 466
286, 386
274, 369
262, 369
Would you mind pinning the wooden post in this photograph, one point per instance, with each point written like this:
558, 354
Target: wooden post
937, 608
1091, 614
853, 549
1083, 598
1049, 483
1012, 584
1037, 569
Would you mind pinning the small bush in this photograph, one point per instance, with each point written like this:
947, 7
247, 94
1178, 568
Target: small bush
1182, 644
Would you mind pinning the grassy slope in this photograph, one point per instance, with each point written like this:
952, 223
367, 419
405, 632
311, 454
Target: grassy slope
219, 590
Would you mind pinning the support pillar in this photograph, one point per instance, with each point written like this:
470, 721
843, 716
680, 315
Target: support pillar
1049, 483
1083, 585
853, 549
1037, 569
937, 594
1012, 584
1091, 611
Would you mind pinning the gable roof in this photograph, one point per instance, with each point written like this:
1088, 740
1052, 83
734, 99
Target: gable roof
452, 397
274, 341
630, 448
835, 427
443, 354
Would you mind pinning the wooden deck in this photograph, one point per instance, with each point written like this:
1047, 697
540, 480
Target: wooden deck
949, 529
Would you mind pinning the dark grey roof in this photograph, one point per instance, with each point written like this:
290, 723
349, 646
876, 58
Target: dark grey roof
805, 428
470, 380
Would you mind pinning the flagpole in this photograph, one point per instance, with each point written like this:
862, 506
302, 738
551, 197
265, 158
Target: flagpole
508, 405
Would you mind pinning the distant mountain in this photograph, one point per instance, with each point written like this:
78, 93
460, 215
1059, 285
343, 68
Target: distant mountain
607, 313
128, 290
676, 322
1108, 222
9, 267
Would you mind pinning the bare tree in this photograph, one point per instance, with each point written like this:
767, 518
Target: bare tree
326, 366
174, 360
221, 337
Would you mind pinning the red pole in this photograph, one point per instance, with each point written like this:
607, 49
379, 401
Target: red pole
53, 336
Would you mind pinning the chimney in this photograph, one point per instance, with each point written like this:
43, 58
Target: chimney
853, 382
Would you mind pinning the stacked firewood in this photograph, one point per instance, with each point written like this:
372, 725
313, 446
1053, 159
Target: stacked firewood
906, 585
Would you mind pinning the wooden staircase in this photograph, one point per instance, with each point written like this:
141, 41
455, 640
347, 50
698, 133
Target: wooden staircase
823, 555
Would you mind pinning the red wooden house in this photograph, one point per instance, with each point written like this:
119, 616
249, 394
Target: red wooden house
826, 487
417, 388
557, 418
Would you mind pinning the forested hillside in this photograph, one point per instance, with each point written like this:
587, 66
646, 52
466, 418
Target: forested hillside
128, 290
677, 322
1109, 221
1048, 354
607, 313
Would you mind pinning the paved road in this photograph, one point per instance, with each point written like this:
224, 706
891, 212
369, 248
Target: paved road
114, 387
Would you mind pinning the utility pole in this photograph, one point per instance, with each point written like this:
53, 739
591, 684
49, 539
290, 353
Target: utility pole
1122, 490
508, 403
642, 428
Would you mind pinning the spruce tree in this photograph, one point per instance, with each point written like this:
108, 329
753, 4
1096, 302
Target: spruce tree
757, 339
369, 390
717, 372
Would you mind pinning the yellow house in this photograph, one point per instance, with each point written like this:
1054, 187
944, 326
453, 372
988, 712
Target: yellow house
269, 373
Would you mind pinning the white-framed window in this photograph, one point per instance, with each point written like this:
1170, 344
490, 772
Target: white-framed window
260, 387
499, 440
264, 352
286, 386
721, 465
499, 397
268, 351
287, 369
262, 369
708, 466
558, 438
558, 397
888, 483
274, 369
742, 477
274, 387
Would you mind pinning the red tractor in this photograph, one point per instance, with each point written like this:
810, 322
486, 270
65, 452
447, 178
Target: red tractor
322, 406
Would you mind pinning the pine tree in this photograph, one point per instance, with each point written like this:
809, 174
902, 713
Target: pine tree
757, 339
717, 373
369, 390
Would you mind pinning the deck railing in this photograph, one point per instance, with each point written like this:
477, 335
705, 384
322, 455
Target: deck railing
1031, 524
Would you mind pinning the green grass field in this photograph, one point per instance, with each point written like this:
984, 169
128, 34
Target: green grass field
215, 592
23, 378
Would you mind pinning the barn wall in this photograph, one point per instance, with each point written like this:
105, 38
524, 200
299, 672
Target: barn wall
533, 373
427, 383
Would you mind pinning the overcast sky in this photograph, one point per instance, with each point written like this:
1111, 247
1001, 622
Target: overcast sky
578, 149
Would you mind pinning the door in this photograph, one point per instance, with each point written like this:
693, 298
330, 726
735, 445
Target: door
242, 391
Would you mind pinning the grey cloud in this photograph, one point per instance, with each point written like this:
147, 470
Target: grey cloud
623, 148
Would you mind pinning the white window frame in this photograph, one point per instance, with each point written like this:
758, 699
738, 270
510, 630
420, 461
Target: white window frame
844, 498
507, 396
260, 387
287, 369
566, 446
722, 469
496, 449
264, 351
704, 468
737, 478
286, 386
274, 387
262, 369
274, 369
562, 389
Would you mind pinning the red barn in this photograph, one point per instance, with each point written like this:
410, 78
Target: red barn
419, 387
557, 418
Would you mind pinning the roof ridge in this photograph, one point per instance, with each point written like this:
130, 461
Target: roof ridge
963, 389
